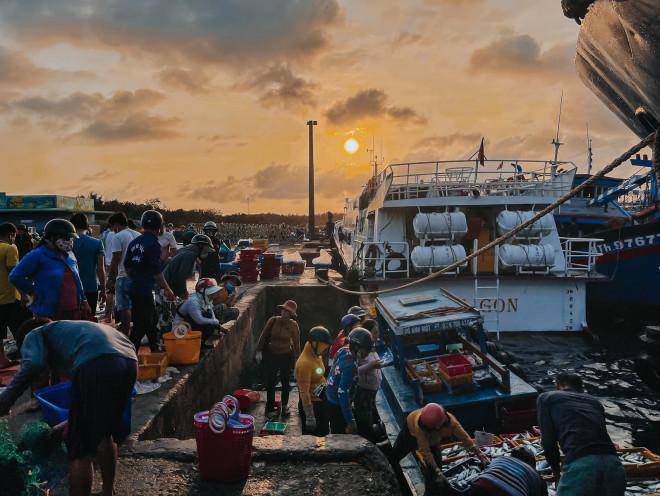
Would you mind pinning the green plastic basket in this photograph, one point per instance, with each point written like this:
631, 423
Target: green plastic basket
274, 427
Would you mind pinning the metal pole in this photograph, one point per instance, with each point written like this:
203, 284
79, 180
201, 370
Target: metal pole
311, 228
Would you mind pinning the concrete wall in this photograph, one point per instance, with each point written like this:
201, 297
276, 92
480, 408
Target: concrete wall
230, 364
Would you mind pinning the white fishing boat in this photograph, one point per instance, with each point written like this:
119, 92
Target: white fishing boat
412, 219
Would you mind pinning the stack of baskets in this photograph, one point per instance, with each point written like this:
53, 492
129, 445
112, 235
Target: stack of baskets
248, 264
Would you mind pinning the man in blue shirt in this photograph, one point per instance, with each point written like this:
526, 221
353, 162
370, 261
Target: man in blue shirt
143, 265
91, 261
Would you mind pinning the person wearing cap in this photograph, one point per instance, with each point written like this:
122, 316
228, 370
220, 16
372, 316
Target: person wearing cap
197, 310
348, 323
210, 266
182, 266
144, 269
278, 347
91, 261
310, 377
48, 276
369, 377
424, 430
359, 312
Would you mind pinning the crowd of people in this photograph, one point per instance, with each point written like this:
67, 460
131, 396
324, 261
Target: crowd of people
52, 295
135, 281
338, 379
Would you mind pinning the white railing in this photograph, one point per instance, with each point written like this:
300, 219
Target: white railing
372, 261
580, 255
469, 177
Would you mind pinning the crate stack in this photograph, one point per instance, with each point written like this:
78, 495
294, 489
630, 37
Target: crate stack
248, 266
270, 268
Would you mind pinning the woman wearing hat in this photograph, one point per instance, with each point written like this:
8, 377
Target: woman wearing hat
279, 345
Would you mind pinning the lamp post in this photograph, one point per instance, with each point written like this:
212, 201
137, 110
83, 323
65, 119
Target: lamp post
311, 229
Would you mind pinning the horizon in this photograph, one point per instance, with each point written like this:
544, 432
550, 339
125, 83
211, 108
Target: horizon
204, 106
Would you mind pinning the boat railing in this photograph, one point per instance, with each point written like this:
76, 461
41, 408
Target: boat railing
375, 257
580, 255
468, 177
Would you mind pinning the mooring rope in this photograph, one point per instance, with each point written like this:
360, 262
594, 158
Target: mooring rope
498, 241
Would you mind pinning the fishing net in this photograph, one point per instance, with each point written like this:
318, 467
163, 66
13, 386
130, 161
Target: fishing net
18, 474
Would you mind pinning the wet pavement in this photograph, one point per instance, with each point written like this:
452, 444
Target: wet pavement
631, 407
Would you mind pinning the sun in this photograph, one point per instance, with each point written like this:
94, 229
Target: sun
351, 146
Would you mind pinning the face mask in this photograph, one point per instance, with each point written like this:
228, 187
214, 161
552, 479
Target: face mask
65, 245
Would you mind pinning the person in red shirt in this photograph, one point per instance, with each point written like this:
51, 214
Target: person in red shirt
348, 323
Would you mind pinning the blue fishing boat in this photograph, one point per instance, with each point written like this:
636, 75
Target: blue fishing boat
439, 352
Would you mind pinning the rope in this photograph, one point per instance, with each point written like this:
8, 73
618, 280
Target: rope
560, 201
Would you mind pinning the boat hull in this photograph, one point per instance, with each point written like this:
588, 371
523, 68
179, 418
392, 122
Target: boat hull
631, 262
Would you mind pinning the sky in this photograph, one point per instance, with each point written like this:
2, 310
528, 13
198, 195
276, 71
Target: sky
204, 103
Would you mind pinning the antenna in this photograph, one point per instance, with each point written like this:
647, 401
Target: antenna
555, 142
590, 155
373, 160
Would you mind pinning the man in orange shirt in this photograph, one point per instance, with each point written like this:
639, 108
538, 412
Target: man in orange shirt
424, 430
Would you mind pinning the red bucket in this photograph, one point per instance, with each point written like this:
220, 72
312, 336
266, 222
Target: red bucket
225, 457
246, 397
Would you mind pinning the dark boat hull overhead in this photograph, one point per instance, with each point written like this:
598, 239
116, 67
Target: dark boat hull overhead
618, 58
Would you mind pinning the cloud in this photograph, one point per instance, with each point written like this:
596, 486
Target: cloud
233, 31
18, 70
135, 127
94, 118
448, 146
514, 55
406, 39
371, 103
191, 80
278, 182
279, 86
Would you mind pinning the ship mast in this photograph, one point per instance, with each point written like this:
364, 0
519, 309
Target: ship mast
590, 155
555, 142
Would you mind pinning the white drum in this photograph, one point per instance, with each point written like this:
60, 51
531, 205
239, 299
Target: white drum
509, 219
436, 257
443, 225
529, 256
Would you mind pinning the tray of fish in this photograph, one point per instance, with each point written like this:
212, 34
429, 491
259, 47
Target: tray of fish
636, 456
517, 436
534, 444
461, 474
455, 450
636, 488
496, 450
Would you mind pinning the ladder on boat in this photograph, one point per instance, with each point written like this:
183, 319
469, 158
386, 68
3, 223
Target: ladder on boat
488, 291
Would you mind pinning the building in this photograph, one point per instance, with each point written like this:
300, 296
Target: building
36, 210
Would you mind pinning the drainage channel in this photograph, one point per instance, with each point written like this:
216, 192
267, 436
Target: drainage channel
160, 457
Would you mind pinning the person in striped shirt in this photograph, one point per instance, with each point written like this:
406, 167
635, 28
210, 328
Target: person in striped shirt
513, 475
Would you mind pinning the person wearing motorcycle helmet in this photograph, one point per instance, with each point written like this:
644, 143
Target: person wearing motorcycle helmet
182, 266
342, 377
359, 312
210, 266
144, 268
424, 430
310, 375
369, 377
348, 323
197, 310
49, 276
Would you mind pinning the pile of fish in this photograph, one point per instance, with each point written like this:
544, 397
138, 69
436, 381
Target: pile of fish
634, 458
495, 451
543, 467
453, 451
535, 446
461, 474
635, 488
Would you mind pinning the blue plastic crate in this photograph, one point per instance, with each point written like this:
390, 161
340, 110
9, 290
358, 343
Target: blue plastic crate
55, 401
